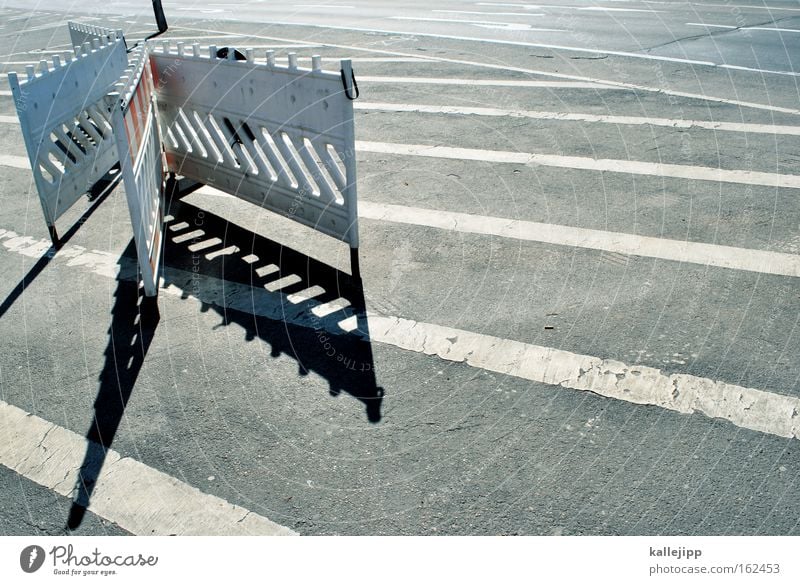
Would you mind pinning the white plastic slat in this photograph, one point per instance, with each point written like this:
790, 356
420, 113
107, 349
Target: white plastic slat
235, 147
292, 161
325, 190
284, 176
191, 133
212, 152
336, 173
76, 131
67, 143
258, 156
89, 127
221, 141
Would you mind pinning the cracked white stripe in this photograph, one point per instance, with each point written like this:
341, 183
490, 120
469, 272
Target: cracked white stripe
588, 50
484, 82
136, 497
700, 253
749, 408
552, 74
576, 117
761, 261
633, 167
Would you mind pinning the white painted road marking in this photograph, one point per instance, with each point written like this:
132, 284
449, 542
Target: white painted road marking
760, 261
484, 82
735, 258
487, 13
705, 25
585, 163
136, 497
212, 37
645, 56
304, 59
773, 29
683, 5
17, 162
553, 74
513, 25
562, 7
754, 70
701, 253
574, 117
749, 408
729, 6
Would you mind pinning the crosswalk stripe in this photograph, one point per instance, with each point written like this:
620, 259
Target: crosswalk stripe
585, 163
576, 117
14, 161
136, 497
749, 408
760, 261
538, 72
484, 82
703, 254
589, 50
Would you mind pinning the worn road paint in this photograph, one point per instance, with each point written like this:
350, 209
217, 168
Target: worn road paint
136, 497
575, 117
483, 82
553, 74
760, 261
748, 408
632, 167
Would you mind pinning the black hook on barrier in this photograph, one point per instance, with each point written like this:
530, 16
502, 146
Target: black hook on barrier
355, 86
224, 53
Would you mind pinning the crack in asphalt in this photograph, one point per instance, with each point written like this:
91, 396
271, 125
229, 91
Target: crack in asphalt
715, 34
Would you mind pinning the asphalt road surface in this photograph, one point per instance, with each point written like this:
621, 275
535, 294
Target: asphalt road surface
580, 261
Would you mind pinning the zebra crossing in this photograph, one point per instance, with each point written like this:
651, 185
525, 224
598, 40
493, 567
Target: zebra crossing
469, 312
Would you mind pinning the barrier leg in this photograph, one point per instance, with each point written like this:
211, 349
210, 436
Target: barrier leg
54, 236
180, 187
355, 269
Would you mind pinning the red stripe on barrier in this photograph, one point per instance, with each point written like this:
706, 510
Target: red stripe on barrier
128, 135
148, 79
156, 242
141, 111
132, 112
153, 71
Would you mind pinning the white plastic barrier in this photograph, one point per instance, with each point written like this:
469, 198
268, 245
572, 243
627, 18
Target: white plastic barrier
80, 33
278, 136
64, 122
134, 119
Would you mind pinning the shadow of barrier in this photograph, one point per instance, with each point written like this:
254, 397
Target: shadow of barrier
300, 307
279, 136
134, 319
303, 308
96, 195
